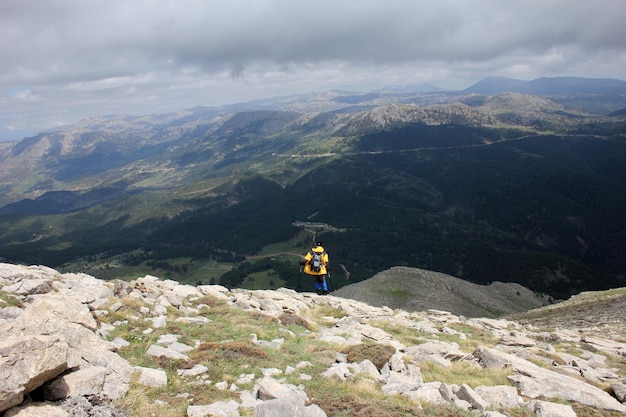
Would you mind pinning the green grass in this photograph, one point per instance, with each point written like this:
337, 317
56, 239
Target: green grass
7, 300
226, 347
400, 297
265, 280
289, 246
464, 372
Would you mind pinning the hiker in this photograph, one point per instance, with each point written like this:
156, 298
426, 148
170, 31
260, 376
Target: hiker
316, 264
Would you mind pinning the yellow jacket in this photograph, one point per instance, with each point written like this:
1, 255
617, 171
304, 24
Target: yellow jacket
309, 256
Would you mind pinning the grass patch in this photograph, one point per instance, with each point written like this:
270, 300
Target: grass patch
399, 297
224, 345
474, 337
357, 398
266, 280
10, 301
464, 372
404, 334
327, 311
288, 320
586, 411
362, 398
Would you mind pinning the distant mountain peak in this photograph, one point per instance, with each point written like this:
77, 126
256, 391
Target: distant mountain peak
549, 86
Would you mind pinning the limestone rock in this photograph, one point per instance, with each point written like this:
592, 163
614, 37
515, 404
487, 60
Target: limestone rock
282, 407
548, 409
502, 396
430, 392
151, 377
30, 286
87, 381
158, 351
8, 313
195, 371
218, 409
46, 409
465, 392
26, 363
619, 390
604, 345
61, 311
216, 291
535, 382
269, 389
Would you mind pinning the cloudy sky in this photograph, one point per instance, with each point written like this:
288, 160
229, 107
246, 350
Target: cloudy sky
63, 60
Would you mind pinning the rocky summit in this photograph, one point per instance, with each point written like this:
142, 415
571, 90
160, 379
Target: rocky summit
75, 345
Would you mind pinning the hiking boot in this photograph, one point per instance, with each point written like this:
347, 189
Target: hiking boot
325, 292
320, 292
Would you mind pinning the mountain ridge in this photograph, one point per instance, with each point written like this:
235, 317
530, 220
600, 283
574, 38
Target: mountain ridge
546, 86
414, 289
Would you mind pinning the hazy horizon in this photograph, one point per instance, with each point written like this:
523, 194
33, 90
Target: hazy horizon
66, 60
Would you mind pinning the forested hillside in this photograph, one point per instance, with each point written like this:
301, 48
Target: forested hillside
470, 190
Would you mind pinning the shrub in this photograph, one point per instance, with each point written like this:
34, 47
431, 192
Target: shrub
287, 319
379, 355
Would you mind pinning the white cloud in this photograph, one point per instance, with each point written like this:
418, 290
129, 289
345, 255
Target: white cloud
88, 58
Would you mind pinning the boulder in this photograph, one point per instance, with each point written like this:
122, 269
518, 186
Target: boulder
8, 313
269, 389
72, 322
604, 345
87, 381
533, 381
619, 389
502, 396
430, 392
53, 314
291, 407
158, 351
83, 287
194, 371
440, 352
548, 409
151, 377
466, 393
30, 286
216, 291
218, 409
402, 382
26, 363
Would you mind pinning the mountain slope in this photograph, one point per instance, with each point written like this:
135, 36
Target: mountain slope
511, 188
599, 96
600, 309
150, 346
414, 289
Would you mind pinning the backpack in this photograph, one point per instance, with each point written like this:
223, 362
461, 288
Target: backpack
315, 264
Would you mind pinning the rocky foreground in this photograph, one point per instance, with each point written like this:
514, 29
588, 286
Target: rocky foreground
58, 355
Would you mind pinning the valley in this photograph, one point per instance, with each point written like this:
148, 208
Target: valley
504, 187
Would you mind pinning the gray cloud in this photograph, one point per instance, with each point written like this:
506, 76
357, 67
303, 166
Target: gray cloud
65, 59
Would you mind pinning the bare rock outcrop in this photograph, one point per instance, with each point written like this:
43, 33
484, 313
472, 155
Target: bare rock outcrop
533, 381
54, 342
26, 363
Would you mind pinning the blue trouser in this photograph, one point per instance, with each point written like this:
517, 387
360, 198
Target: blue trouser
320, 283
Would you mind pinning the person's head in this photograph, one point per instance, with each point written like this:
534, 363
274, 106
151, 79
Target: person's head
319, 243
